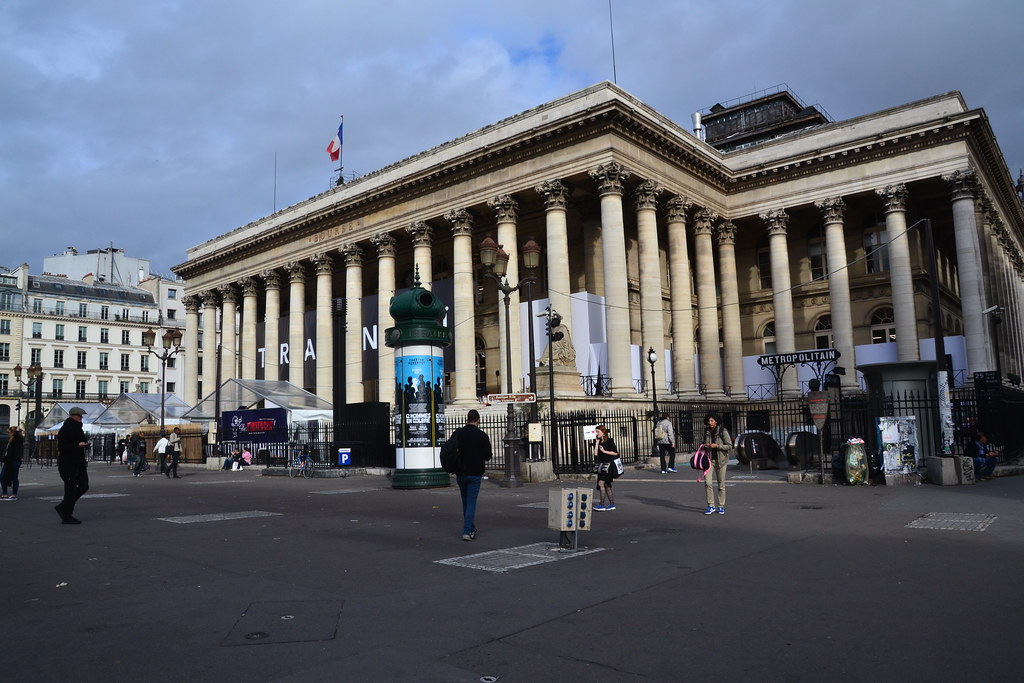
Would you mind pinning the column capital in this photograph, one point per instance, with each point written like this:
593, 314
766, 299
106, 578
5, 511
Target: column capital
385, 243
777, 220
610, 177
461, 221
210, 298
676, 208
832, 208
352, 254
191, 303
296, 271
228, 293
646, 195
725, 233
505, 207
894, 196
323, 263
555, 194
421, 233
703, 221
271, 279
250, 285
962, 184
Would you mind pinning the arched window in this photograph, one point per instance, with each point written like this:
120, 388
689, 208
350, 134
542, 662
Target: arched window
883, 327
823, 333
768, 337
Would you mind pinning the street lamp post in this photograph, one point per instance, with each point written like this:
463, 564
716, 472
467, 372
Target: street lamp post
652, 358
35, 387
495, 260
171, 340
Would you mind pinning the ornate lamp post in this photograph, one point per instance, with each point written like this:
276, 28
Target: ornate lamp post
171, 346
652, 358
495, 260
35, 387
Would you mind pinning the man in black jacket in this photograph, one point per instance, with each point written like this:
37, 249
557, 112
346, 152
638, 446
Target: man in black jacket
72, 465
474, 450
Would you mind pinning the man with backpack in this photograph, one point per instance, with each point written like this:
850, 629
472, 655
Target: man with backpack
665, 438
473, 447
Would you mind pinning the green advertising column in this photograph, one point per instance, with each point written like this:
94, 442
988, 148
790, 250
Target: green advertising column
418, 338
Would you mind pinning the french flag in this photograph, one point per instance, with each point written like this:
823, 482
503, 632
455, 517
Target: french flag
334, 147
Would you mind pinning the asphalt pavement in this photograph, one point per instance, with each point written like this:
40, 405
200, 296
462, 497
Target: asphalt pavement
234, 576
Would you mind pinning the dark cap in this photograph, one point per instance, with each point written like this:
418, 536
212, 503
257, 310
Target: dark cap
76, 411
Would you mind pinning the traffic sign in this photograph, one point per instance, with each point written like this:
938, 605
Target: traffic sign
511, 398
818, 356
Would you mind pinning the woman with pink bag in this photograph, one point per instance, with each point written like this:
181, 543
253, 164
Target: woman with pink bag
719, 442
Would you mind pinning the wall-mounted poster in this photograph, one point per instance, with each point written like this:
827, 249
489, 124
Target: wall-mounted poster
898, 439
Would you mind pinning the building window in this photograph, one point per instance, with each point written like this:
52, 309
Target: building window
35, 357
172, 294
145, 364
883, 327
145, 316
104, 335
144, 387
104, 360
768, 338
823, 332
876, 250
105, 312
4, 386
5, 351
171, 386
816, 256
5, 326
82, 355
58, 388
103, 388
82, 336
58, 358
37, 330
80, 389
125, 335
60, 308
170, 362
124, 313
125, 362
37, 305
172, 314
124, 387
83, 310
764, 268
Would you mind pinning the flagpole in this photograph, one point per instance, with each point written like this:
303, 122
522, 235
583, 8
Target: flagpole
275, 181
341, 152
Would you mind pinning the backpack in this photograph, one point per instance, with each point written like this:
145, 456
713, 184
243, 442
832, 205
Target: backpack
659, 431
451, 458
701, 460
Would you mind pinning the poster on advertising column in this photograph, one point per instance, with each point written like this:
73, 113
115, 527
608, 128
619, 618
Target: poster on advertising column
897, 436
419, 398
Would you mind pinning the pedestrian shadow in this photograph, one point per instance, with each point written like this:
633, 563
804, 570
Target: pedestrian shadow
670, 504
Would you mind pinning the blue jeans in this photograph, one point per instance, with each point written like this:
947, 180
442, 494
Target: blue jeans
984, 467
469, 487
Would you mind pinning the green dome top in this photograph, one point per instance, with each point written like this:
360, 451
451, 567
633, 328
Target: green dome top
418, 315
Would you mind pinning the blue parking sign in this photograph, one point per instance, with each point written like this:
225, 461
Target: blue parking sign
344, 456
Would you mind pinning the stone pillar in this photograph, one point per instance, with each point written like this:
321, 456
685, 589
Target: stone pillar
422, 251
652, 308
732, 336
680, 297
555, 194
191, 349
707, 305
782, 293
463, 316
210, 356
385, 244
610, 179
271, 322
839, 288
324, 265
900, 275
352, 254
296, 318
506, 211
250, 290
977, 330
228, 332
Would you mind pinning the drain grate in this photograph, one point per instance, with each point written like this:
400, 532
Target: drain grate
501, 561
953, 521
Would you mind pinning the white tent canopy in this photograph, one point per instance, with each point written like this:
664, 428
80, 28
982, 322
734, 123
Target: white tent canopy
60, 411
130, 410
246, 394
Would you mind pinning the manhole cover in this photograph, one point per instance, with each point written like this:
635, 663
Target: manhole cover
286, 622
953, 521
515, 558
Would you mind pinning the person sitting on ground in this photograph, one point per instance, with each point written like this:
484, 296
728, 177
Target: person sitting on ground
985, 457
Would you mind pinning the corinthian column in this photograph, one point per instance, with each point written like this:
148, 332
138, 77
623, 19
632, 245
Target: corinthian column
610, 179
680, 296
250, 290
977, 336
900, 275
228, 333
732, 337
353, 257
707, 304
271, 325
556, 199
652, 309
839, 288
506, 211
191, 346
210, 301
463, 314
422, 251
782, 292
296, 322
385, 243
324, 265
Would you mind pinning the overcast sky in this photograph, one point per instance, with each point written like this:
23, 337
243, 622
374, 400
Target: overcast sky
154, 125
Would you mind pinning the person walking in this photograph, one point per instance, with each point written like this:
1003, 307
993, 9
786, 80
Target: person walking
665, 437
173, 453
605, 452
718, 440
474, 450
138, 446
160, 449
12, 463
72, 465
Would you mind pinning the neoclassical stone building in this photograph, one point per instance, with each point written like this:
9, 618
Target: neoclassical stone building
709, 250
